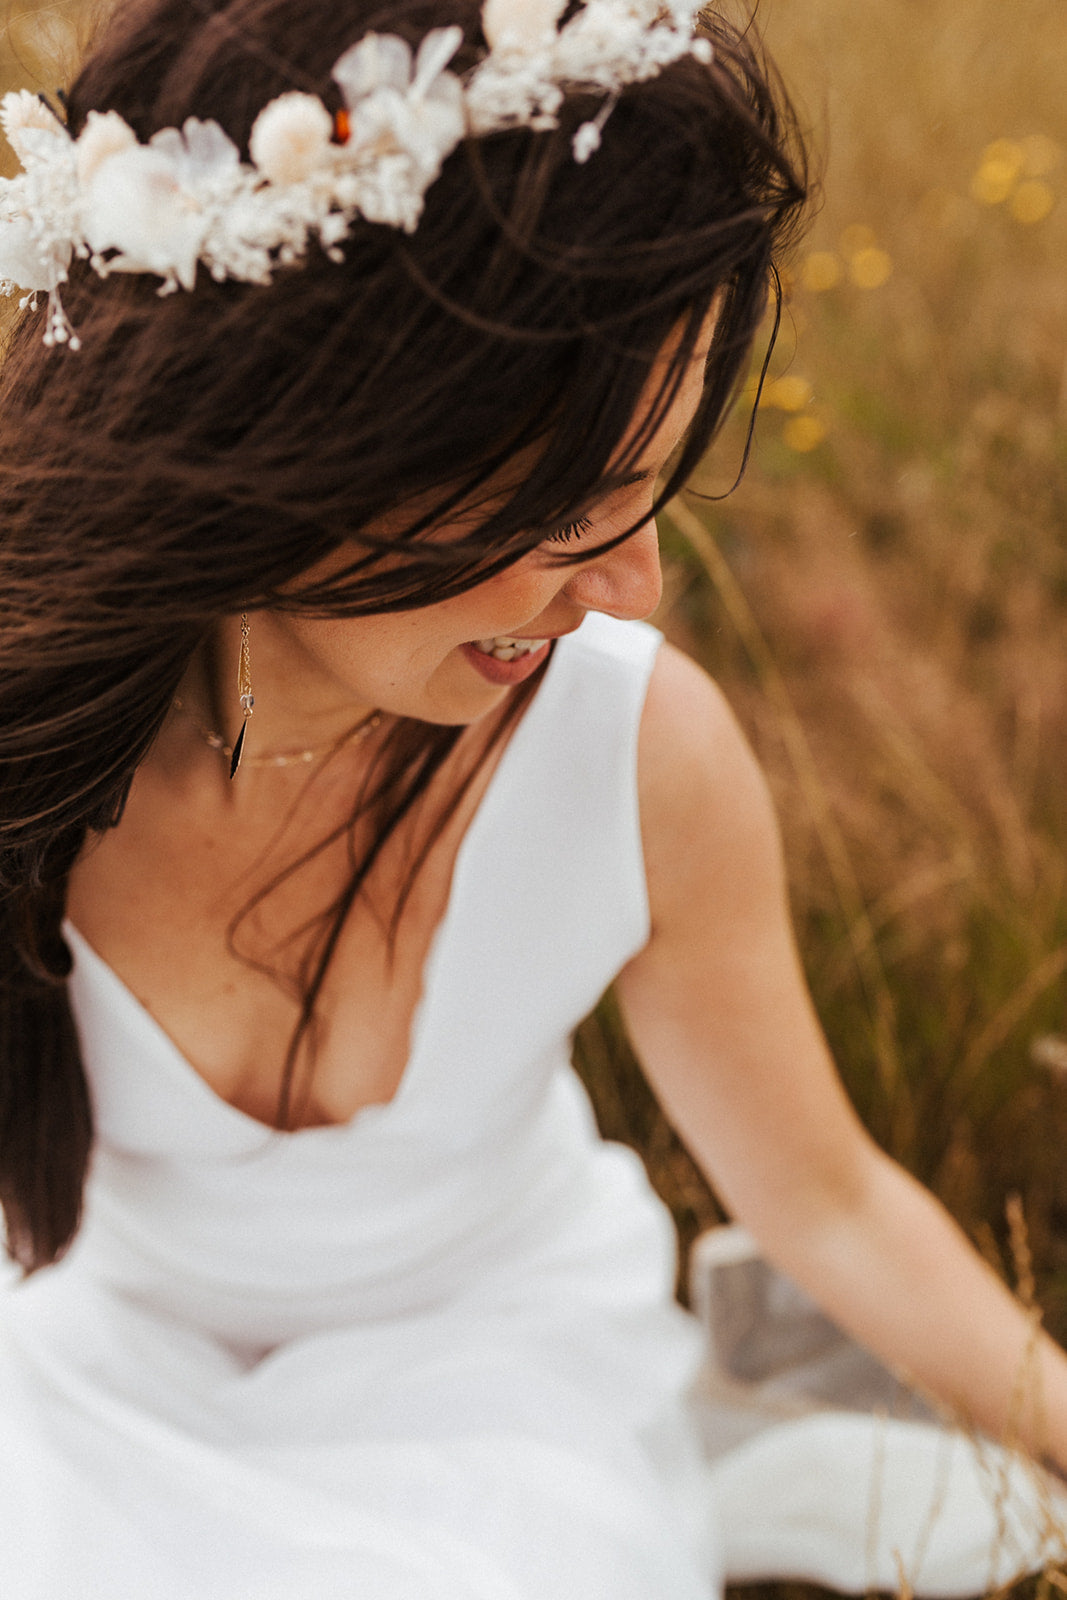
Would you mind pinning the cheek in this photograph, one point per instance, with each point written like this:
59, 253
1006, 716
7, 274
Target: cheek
388, 648
517, 595
364, 650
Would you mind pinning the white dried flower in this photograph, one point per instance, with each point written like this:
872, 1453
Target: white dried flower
185, 199
290, 137
377, 61
585, 142
204, 160
154, 203
21, 261
104, 135
522, 25
136, 206
23, 113
406, 115
382, 81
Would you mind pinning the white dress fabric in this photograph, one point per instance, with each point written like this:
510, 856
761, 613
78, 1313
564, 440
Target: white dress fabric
431, 1354
427, 1355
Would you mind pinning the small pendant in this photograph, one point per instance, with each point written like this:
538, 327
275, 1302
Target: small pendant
235, 759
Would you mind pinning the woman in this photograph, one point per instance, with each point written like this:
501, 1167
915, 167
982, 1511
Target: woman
339, 778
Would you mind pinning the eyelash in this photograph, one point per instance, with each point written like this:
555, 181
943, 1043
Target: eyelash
571, 530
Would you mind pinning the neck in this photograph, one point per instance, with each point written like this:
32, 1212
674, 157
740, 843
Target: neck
296, 706
299, 715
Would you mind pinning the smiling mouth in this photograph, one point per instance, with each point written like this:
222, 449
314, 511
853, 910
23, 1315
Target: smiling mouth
504, 648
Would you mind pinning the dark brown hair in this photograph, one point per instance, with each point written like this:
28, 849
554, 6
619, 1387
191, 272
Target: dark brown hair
203, 450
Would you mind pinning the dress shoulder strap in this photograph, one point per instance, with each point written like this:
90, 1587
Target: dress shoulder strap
549, 900
575, 768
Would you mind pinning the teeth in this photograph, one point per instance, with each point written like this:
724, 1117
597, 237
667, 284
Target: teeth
505, 649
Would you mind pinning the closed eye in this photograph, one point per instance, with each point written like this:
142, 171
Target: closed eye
570, 530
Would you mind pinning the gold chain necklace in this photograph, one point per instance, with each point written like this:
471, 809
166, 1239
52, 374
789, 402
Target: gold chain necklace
289, 758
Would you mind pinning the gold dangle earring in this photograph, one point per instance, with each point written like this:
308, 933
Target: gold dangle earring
244, 689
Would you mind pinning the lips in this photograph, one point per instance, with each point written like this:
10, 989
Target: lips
505, 648
505, 664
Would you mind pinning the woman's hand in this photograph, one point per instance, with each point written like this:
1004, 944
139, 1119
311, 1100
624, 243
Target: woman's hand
719, 1013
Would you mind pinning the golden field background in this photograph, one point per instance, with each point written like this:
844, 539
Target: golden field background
886, 596
884, 599
887, 604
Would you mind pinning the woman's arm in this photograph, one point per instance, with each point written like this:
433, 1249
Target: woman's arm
719, 1013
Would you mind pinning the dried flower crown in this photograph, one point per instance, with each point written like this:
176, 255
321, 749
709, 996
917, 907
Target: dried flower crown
186, 197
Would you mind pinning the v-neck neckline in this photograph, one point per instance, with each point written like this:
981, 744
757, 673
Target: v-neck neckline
185, 1075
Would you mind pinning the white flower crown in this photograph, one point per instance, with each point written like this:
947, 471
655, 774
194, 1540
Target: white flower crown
186, 197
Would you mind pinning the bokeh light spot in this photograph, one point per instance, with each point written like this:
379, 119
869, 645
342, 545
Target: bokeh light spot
1007, 151
994, 180
791, 393
870, 267
804, 434
1032, 201
821, 270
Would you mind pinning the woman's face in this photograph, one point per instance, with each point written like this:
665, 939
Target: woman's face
456, 660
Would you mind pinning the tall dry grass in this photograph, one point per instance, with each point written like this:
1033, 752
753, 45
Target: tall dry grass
884, 597
41, 42
885, 603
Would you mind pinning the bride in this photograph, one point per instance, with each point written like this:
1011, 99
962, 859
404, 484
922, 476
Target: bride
339, 776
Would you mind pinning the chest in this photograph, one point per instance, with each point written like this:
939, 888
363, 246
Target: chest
222, 942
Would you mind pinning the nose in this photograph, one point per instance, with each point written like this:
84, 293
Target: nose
624, 582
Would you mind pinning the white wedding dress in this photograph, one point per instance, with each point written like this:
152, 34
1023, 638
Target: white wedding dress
428, 1355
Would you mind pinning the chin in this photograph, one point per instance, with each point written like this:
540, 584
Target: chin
452, 707
462, 710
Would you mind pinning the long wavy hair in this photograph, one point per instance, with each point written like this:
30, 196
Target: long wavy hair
201, 452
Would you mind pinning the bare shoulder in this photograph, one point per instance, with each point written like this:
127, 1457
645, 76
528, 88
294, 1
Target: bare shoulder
706, 812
